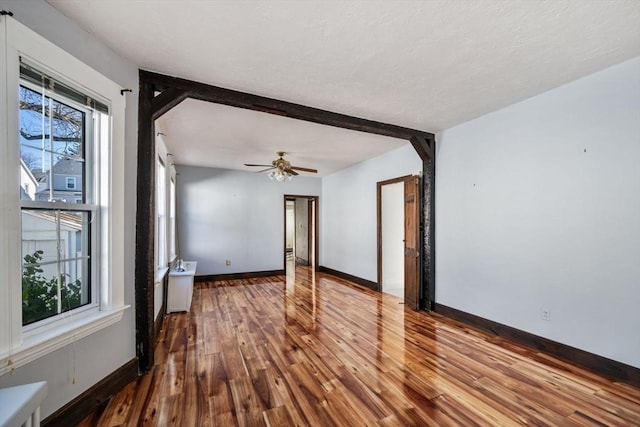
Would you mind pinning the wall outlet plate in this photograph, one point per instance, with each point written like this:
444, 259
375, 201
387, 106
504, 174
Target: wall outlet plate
545, 314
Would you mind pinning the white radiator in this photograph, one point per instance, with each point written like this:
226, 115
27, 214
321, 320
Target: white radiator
20, 405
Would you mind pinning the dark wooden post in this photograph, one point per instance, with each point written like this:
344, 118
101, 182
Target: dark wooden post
150, 108
429, 227
425, 147
145, 229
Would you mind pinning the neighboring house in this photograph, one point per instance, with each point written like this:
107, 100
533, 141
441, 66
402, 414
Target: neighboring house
28, 183
39, 233
39, 226
67, 182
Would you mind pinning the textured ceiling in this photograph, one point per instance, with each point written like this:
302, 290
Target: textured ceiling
234, 136
427, 65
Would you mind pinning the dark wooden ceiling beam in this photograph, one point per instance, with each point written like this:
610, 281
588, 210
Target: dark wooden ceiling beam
424, 145
166, 100
219, 95
170, 92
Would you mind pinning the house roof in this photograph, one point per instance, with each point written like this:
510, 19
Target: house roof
62, 167
67, 167
67, 219
28, 171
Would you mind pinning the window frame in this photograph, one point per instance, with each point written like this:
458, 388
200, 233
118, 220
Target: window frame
172, 216
17, 345
90, 171
161, 214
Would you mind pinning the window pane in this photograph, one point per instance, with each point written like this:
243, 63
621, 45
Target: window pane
50, 164
55, 270
172, 217
34, 119
75, 291
40, 234
39, 291
162, 249
36, 127
68, 129
161, 225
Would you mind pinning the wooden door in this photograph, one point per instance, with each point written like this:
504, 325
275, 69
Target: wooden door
412, 242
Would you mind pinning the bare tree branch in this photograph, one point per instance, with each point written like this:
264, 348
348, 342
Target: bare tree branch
30, 137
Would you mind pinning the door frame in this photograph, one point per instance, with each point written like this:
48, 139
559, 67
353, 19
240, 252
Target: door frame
316, 228
379, 186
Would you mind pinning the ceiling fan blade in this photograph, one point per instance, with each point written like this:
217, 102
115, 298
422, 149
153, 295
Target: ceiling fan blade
264, 166
304, 169
264, 170
292, 172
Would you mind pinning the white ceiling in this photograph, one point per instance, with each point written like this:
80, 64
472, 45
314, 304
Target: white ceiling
236, 136
427, 65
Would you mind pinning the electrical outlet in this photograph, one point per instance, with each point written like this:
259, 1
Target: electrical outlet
545, 314
228, 262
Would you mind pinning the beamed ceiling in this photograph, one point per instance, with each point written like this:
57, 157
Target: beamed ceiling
425, 65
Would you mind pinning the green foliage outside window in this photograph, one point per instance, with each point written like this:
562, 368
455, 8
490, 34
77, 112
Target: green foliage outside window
40, 294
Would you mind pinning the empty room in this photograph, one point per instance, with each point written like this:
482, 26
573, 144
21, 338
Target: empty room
316, 213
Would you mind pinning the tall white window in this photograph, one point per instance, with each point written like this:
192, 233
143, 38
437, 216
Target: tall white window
161, 215
59, 128
172, 218
61, 197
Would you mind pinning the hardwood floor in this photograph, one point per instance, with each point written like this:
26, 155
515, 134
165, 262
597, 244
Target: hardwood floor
311, 349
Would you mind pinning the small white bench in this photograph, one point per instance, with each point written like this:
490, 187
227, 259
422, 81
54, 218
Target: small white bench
20, 405
180, 290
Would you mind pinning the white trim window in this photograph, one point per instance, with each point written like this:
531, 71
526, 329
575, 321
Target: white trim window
59, 129
61, 264
161, 215
172, 216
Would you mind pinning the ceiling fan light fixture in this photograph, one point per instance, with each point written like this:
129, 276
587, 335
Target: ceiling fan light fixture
280, 169
280, 175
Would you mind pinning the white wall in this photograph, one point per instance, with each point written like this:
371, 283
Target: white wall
348, 226
92, 362
233, 215
538, 207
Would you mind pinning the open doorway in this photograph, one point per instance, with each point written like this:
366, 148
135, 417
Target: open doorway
290, 229
392, 239
398, 238
301, 231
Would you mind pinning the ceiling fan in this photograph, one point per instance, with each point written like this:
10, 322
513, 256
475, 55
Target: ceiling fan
281, 169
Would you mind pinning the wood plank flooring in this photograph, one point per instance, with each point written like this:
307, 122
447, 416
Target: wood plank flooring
309, 349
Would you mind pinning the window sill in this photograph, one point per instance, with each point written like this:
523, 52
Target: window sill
160, 273
39, 343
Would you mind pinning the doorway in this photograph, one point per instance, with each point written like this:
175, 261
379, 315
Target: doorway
398, 202
392, 239
301, 231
